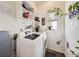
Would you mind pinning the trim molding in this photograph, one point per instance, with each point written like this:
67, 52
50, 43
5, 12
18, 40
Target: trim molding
53, 51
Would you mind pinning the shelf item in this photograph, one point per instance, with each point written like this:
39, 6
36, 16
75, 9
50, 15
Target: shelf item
27, 10
27, 6
25, 14
37, 19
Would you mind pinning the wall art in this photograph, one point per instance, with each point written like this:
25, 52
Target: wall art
43, 21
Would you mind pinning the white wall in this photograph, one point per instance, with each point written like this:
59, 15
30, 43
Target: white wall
43, 9
57, 35
8, 22
71, 31
8, 7
9, 4
52, 36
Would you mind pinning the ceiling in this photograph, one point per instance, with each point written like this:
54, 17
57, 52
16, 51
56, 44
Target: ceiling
39, 3
49, 4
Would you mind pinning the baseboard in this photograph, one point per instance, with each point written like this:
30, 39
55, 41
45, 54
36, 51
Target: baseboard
58, 53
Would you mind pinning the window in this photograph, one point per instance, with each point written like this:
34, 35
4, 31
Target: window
54, 25
52, 21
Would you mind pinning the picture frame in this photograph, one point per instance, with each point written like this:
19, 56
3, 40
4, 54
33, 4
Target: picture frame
43, 21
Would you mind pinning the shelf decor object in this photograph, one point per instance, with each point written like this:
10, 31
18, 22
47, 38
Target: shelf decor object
57, 11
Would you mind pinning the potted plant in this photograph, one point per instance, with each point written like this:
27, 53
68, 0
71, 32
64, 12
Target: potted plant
70, 8
76, 6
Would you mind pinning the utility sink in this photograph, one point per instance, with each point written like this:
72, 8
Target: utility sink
32, 36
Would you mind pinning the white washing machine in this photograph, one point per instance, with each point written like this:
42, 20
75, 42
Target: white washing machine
31, 45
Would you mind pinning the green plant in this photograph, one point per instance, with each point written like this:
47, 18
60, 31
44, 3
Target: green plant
72, 52
70, 8
77, 41
76, 6
78, 17
57, 12
76, 55
77, 47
